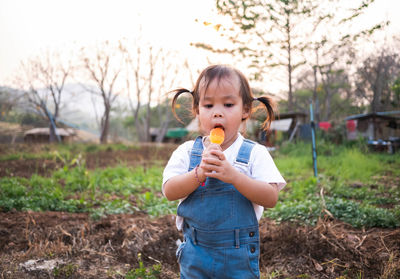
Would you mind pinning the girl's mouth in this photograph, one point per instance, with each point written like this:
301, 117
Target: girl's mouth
219, 126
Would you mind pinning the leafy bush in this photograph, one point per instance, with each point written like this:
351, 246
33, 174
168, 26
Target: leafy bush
303, 212
142, 272
36, 194
360, 215
99, 192
359, 188
113, 206
351, 180
155, 204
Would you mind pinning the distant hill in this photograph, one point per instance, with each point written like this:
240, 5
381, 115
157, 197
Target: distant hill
79, 109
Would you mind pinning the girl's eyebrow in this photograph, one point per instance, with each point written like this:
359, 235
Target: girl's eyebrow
226, 97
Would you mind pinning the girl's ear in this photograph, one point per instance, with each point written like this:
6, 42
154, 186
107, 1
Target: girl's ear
245, 114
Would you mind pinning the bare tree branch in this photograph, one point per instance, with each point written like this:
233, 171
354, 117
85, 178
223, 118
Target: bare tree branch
103, 68
44, 77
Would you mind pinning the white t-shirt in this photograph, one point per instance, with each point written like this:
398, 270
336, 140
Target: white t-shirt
261, 167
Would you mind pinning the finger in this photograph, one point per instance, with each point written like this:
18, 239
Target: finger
212, 161
211, 147
209, 161
207, 154
210, 164
205, 167
213, 175
214, 168
214, 146
218, 154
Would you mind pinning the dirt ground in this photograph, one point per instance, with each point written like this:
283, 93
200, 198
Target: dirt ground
65, 245
146, 155
75, 246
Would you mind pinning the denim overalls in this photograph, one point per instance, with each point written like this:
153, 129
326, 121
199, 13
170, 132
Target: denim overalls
220, 227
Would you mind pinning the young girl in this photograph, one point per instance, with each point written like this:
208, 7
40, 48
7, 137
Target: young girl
222, 189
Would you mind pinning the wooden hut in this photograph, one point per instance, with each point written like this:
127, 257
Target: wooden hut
42, 135
380, 129
373, 126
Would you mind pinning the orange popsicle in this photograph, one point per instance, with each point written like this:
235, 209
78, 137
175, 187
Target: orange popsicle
217, 135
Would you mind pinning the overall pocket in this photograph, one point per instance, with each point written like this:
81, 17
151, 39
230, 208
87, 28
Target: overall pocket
179, 251
253, 257
243, 262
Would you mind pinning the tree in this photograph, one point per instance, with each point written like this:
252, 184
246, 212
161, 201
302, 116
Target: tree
140, 64
43, 78
103, 65
267, 34
9, 98
335, 83
396, 91
277, 33
150, 73
334, 48
133, 69
169, 73
376, 80
333, 92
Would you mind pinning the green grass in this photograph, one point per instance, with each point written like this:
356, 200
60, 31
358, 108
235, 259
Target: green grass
352, 181
359, 187
26, 156
99, 192
351, 165
143, 272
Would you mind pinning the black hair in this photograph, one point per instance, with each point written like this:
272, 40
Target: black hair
219, 72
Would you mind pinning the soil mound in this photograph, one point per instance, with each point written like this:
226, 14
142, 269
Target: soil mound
71, 245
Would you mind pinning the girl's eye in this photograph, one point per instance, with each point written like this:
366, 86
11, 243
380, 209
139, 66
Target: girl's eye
208, 106
229, 105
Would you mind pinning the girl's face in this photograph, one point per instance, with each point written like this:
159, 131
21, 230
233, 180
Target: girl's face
222, 106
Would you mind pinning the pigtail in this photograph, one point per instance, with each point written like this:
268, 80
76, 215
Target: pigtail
270, 106
178, 92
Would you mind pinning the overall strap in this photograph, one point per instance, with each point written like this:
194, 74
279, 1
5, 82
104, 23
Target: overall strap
195, 154
243, 156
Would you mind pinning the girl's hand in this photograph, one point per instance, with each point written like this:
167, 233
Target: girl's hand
209, 148
205, 167
214, 164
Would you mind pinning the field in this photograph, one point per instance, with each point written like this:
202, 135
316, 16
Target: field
96, 211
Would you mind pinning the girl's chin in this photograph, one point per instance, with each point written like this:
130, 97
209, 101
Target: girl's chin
229, 138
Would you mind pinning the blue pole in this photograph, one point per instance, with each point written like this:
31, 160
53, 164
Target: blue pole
53, 124
314, 148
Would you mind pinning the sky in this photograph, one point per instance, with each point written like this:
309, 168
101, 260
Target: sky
28, 27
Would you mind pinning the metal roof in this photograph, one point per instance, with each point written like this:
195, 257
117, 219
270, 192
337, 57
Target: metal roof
383, 115
290, 115
46, 131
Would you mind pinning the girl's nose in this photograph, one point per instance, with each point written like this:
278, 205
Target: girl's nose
217, 114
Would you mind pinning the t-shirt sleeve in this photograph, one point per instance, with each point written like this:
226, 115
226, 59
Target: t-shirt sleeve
263, 167
178, 163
